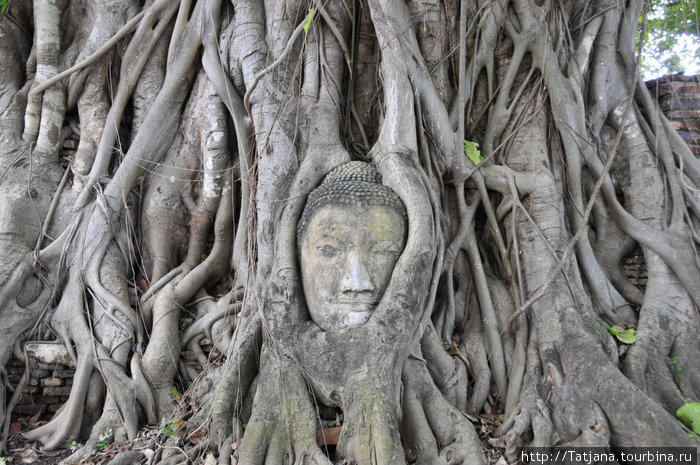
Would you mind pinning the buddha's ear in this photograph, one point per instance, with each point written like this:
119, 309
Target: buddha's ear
315, 166
408, 297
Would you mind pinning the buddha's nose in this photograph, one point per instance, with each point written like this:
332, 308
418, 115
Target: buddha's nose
356, 278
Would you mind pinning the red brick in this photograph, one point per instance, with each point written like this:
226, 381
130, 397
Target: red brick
41, 373
56, 391
46, 366
51, 382
678, 125
686, 88
15, 428
680, 114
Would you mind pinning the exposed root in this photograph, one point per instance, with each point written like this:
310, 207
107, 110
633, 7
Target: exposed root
63, 429
282, 428
432, 429
530, 422
403, 84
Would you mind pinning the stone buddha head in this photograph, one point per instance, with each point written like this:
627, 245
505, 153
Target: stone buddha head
350, 235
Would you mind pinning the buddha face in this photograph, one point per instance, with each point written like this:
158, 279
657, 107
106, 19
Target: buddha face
347, 257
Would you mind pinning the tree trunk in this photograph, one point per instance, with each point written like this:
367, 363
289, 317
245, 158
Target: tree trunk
157, 160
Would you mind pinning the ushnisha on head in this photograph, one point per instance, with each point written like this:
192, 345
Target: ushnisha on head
350, 235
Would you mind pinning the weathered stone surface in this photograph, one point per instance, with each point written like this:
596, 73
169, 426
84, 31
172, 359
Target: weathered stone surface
56, 391
51, 353
38, 373
51, 382
679, 99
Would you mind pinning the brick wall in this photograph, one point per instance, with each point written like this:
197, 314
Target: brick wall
679, 98
47, 390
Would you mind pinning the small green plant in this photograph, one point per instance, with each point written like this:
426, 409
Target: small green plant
3, 7
105, 439
626, 337
307, 24
674, 362
471, 150
689, 414
169, 428
175, 392
74, 446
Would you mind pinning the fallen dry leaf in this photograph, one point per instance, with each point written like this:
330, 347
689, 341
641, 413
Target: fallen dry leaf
124, 446
197, 436
179, 424
497, 442
328, 436
15, 428
29, 456
34, 420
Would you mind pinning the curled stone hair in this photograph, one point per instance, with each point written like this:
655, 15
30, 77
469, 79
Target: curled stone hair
353, 183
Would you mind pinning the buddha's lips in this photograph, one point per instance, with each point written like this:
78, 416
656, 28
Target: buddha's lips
357, 318
352, 304
354, 300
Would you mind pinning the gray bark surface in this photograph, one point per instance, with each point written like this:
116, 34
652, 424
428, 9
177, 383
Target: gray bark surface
155, 160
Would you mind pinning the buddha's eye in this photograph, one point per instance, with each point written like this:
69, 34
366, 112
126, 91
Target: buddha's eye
386, 251
328, 250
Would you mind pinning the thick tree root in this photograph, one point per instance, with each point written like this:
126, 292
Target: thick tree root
282, 428
433, 431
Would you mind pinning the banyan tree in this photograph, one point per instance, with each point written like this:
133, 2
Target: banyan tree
164, 189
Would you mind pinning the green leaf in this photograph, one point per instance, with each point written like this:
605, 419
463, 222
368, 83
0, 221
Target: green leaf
3, 6
169, 429
175, 392
676, 363
307, 24
626, 337
472, 152
690, 415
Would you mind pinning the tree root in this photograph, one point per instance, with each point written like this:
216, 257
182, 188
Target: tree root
473, 348
239, 372
163, 351
370, 434
282, 428
530, 416
63, 429
432, 429
44, 113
